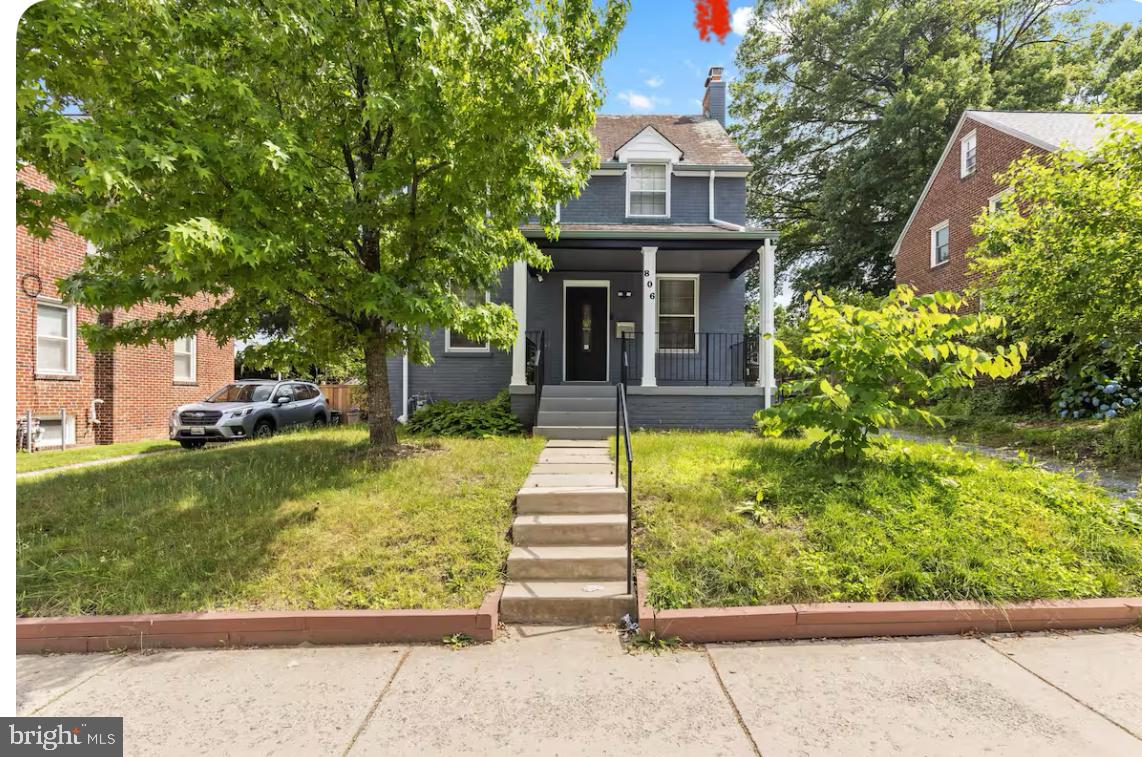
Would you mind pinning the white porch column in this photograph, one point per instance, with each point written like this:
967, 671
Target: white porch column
519, 307
649, 314
765, 295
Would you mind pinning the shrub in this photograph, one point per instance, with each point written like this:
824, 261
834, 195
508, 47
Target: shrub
467, 418
858, 369
1098, 397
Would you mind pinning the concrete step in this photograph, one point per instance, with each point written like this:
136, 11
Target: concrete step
578, 390
574, 432
565, 602
553, 444
576, 418
561, 456
605, 468
567, 563
548, 529
570, 500
585, 480
597, 404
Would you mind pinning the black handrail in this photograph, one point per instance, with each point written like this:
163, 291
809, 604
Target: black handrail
537, 362
622, 423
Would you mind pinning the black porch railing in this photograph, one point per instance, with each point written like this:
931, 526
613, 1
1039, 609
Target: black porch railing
536, 362
705, 358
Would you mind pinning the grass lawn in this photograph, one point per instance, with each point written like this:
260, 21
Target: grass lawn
920, 522
301, 521
52, 458
1116, 442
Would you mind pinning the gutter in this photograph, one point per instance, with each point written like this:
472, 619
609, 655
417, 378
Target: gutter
731, 232
715, 221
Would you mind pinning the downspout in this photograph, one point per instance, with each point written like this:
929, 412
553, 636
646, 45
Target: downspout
715, 221
404, 389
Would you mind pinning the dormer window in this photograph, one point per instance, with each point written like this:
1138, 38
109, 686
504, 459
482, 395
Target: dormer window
648, 190
967, 155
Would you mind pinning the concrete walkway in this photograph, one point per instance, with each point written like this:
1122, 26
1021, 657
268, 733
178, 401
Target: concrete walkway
576, 691
90, 463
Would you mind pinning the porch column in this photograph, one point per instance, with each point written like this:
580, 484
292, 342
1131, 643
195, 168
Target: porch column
765, 293
519, 307
649, 315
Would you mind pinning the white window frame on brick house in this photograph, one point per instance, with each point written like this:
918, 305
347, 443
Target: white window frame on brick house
471, 349
968, 147
658, 315
994, 201
666, 173
932, 235
68, 338
191, 354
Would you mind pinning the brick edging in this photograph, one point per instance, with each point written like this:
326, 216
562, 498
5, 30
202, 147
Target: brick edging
854, 619
225, 629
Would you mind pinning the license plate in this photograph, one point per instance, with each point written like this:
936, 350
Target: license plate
198, 432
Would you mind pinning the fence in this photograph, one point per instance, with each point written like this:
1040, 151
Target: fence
711, 358
342, 397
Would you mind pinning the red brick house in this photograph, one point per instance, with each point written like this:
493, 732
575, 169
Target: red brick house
931, 251
125, 394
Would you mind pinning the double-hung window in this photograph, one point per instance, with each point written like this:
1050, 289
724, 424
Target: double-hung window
940, 252
454, 341
648, 190
55, 338
185, 353
967, 155
677, 312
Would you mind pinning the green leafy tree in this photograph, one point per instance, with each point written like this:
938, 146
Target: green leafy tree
353, 165
1062, 259
859, 369
844, 107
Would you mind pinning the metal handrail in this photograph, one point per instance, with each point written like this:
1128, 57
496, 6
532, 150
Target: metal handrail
540, 367
622, 422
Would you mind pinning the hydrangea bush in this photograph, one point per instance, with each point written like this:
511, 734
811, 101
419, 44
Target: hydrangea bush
1100, 397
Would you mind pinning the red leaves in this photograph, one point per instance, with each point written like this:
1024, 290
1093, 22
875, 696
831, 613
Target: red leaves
712, 17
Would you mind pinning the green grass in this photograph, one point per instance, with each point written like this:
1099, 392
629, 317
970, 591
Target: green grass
1116, 442
301, 521
53, 458
918, 522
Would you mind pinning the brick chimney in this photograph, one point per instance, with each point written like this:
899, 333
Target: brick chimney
714, 103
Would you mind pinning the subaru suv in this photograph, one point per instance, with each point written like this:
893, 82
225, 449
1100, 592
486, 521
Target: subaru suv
248, 409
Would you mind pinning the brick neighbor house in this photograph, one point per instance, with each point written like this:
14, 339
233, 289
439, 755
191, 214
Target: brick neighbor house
121, 395
931, 251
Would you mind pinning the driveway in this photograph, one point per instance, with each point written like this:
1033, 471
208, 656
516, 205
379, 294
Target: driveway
576, 691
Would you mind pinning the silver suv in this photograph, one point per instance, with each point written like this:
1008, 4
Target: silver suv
248, 409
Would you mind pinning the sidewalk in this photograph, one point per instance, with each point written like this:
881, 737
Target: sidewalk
575, 691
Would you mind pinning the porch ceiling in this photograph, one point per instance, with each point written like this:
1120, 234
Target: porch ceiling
669, 261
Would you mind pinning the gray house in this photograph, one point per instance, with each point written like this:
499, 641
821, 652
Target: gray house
647, 288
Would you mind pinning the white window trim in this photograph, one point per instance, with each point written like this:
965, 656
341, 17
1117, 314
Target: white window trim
449, 349
932, 245
669, 172
71, 337
993, 201
964, 172
697, 279
193, 361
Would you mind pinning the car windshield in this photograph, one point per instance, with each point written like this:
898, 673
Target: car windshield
243, 393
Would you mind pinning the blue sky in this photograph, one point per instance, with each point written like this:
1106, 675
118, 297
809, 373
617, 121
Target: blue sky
660, 63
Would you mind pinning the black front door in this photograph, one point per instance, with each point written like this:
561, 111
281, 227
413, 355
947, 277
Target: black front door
586, 337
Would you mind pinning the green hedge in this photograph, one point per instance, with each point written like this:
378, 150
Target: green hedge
467, 418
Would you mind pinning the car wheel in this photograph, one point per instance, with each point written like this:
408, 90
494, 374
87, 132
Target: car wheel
192, 444
319, 421
263, 430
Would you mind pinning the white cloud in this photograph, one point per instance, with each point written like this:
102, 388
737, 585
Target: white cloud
742, 17
655, 81
640, 102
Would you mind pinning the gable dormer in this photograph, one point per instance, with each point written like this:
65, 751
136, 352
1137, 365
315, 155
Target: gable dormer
648, 146
649, 159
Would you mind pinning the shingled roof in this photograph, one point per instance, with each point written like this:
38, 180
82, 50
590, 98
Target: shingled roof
703, 141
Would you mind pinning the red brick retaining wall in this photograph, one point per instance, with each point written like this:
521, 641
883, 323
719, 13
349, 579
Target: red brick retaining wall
844, 619
224, 629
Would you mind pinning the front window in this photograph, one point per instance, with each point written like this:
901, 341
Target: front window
454, 341
242, 393
677, 312
647, 190
55, 339
940, 251
967, 155
184, 358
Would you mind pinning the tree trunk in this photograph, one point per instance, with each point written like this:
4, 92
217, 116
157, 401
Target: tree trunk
382, 427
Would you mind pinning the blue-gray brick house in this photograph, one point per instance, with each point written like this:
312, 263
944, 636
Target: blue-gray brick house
647, 287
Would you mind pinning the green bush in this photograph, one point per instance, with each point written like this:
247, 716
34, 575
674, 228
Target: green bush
859, 368
467, 418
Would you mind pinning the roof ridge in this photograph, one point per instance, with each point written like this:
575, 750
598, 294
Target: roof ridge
1062, 112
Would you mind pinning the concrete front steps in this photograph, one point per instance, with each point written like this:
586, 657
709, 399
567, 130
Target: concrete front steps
568, 565
576, 411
